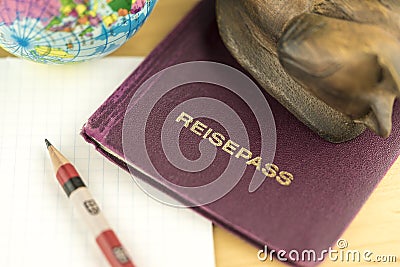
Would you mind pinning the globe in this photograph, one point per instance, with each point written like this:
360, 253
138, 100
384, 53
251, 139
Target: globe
66, 31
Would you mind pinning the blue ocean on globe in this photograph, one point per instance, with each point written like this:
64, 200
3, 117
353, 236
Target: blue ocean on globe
67, 31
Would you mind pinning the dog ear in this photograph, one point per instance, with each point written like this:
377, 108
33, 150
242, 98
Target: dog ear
380, 118
389, 61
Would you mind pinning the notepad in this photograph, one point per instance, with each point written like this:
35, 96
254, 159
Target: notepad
38, 226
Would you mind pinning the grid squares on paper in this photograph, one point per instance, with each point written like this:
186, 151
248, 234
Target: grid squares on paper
37, 102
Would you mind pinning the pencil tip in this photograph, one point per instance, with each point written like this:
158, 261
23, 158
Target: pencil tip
47, 143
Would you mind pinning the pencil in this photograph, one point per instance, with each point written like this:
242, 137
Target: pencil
83, 201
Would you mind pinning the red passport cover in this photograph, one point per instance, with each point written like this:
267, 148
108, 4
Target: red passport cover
330, 181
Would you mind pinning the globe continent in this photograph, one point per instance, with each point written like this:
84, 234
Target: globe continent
66, 31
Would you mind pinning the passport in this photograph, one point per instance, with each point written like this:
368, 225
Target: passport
312, 189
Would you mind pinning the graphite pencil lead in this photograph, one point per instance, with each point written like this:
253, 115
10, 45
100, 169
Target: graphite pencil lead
47, 143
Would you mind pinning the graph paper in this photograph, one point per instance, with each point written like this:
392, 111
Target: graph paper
38, 225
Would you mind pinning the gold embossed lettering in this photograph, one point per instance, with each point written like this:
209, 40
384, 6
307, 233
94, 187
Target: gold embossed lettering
285, 178
244, 153
256, 162
186, 118
217, 139
270, 170
198, 128
230, 147
209, 131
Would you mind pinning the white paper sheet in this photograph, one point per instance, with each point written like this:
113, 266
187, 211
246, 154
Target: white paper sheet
38, 226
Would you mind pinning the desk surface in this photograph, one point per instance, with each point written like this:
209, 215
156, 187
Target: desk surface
375, 228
